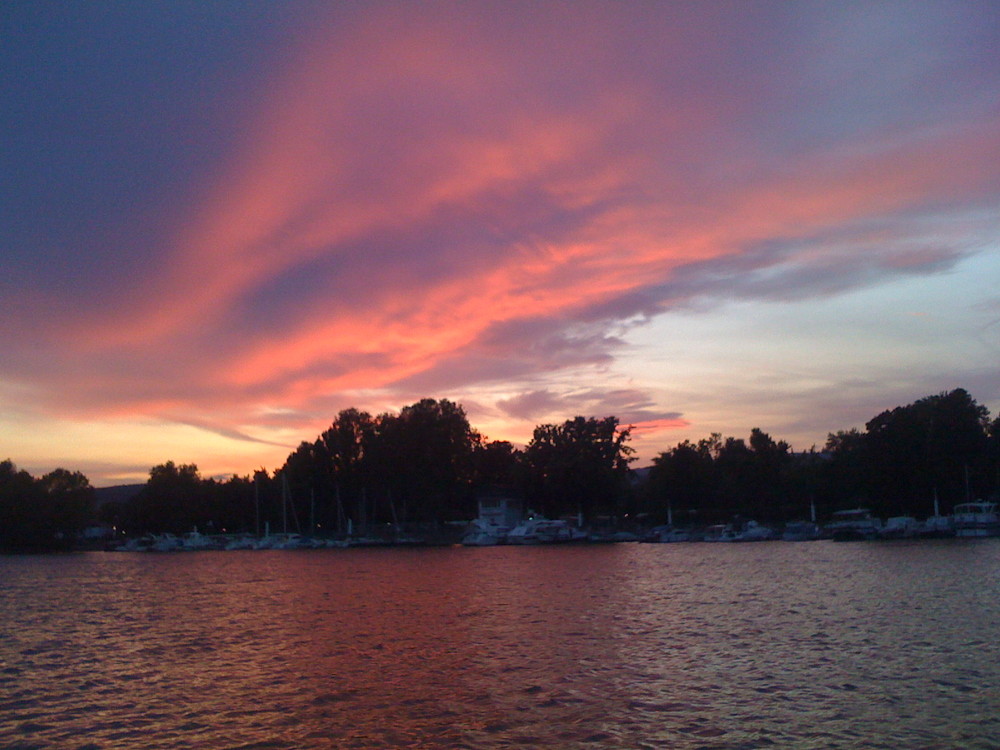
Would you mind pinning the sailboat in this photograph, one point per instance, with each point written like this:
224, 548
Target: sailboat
803, 531
937, 526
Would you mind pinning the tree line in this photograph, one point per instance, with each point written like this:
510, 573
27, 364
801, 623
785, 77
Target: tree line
43, 514
940, 448
426, 466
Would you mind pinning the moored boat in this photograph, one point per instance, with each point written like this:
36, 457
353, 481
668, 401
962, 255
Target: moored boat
482, 533
545, 531
667, 535
857, 524
751, 531
900, 527
241, 541
195, 540
978, 519
165, 543
937, 527
718, 532
800, 531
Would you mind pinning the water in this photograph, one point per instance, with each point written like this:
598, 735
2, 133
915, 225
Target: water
812, 645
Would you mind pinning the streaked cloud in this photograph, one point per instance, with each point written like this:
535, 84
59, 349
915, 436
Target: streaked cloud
489, 200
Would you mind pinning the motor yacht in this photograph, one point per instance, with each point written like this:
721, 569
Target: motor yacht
857, 524
976, 519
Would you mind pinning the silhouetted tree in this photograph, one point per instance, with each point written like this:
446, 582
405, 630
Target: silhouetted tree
993, 458
683, 479
936, 444
421, 461
172, 501
42, 514
70, 500
233, 504
768, 481
344, 449
495, 464
580, 466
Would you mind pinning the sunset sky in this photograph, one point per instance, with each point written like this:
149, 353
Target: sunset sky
223, 222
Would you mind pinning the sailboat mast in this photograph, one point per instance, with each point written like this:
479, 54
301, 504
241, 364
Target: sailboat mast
340, 513
284, 504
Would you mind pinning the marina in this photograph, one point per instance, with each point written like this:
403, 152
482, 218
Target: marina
501, 522
971, 520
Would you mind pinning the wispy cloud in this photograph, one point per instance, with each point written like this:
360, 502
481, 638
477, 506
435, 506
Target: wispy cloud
432, 200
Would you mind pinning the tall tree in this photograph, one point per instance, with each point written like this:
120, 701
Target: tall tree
422, 461
70, 500
173, 500
937, 444
495, 464
682, 483
42, 514
580, 466
345, 449
23, 524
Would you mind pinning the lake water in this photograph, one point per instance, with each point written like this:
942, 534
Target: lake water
810, 645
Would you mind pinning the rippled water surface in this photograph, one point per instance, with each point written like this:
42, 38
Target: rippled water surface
811, 645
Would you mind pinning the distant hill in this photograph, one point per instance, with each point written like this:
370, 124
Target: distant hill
118, 494
639, 476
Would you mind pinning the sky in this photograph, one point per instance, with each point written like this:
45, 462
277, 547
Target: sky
222, 223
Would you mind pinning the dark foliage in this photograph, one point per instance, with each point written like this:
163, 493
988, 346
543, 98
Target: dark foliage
943, 446
426, 465
42, 514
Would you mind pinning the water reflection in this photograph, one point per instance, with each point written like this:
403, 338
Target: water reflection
805, 645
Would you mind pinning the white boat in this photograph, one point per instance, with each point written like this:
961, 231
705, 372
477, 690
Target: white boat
853, 525
243, 541
719, 532
335, 544
751, 531
544, 531
746, 531
138, 544
937, 527
668, 535
194, 540
291, 541
484, 534
800, 531
165, 543
265, 542
900, 527
978, 519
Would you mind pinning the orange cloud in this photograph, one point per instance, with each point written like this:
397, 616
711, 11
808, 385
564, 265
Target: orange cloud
412, 184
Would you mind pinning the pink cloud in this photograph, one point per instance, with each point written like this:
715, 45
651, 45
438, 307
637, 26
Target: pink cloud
448, 199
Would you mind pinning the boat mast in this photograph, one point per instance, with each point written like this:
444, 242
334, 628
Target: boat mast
284, 503
340, 512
